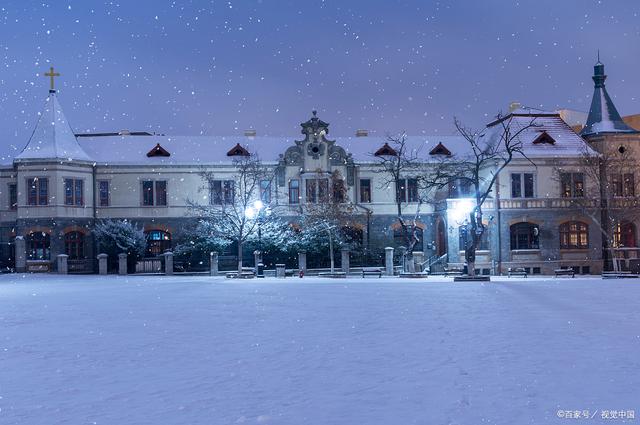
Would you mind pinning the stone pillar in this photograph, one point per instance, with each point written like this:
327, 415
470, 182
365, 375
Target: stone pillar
21, 254
102, 263
257, 258
302, 261
418, 259
403, 258
122, 263
63, 265
345, 260
213, 264
280, 271
168, 263
388, 261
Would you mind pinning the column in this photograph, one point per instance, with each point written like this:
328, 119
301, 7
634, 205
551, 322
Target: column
418, 259
168, 263
345, 260
257, 258
63, 265
213, 264
21, 254
122, 263
102, 263
280, 270
388, 261
302, 261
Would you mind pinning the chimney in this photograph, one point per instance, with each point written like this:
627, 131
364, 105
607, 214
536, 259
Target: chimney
124, 133
250, 133
514, 105
362, 133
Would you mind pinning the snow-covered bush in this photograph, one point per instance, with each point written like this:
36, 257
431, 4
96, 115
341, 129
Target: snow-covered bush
120, 236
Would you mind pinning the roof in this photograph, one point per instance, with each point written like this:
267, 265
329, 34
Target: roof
53, 137
603, 115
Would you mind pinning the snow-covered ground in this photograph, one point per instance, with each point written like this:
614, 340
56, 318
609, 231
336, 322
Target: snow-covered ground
197, 350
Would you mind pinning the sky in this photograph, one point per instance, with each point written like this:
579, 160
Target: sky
220, 67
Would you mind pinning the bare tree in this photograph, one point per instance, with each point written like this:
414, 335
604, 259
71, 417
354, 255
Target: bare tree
235, 207
480, 166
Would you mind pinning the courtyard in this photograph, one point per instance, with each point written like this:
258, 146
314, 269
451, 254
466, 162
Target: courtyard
202, 350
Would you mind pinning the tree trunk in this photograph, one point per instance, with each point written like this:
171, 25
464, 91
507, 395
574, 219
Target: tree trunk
239, 256
471, 268
331, 251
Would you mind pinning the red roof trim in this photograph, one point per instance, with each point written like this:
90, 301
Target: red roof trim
386, 150
544, 137
158, 151
440, 149
238, 150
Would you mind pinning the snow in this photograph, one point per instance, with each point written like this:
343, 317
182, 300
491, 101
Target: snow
201, 350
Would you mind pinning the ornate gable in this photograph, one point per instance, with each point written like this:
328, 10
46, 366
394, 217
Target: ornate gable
544, 138
386, 150
238, 150
440, 149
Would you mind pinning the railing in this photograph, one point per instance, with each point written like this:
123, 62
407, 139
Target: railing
149, 265
548, 203
434, 261
81, 266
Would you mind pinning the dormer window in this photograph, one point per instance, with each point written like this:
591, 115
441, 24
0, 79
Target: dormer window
440, 149
544, 138
386, 150
158, 151
238, 150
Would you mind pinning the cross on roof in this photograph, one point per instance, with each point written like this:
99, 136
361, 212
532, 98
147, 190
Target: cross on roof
51, 74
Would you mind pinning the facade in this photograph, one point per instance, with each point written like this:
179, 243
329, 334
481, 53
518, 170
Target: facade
53, 192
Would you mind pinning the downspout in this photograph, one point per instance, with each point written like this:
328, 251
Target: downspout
499, 271
95, 209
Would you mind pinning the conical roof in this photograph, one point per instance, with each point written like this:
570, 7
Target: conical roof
53, 137
603, 115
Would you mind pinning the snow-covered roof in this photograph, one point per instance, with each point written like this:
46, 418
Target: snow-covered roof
53, 137
603, 115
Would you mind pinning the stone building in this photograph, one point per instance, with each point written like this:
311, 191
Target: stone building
52, 193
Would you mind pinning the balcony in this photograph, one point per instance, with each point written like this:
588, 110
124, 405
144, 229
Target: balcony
546, 203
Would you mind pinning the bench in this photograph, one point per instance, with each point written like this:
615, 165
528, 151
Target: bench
453, 271
247, 273
565, 271
371, 271
517, 271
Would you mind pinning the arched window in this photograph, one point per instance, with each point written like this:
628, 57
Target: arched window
524, 236
462, 239
39, 246
158, 241
74, 245
624, 235
574, 235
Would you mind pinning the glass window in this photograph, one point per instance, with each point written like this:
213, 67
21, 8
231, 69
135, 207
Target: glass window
13, 196
572, 185
338, 190
524, 236
462, 239
147, 192
74, 245
161, 193
574, 235
265, 191
228, 187
311, 190
323, 190
365, 190
624, 235
38, 191
103, 193
294, 191
221, 192
412, 190
400, 238
158, 241
39, 246
522, 185
460, 188
73, 192
516, 185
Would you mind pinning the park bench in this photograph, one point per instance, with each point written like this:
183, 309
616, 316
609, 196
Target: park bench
452, 271
247, 273
371, 271
565, 271
517, 271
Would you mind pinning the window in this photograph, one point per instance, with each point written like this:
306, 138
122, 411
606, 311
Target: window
574, 235
572, 185
365, 190
624, 235
338, 190
160, 198
483, 245
407, 190
39, 246
265, 191
623, 185
522, 185
221, 192
161, 193
294, 191
158, 241
524, 236
38, 188
74, 245
147, 193
400, 239
460, 188
317, 190
73, 192
13, 196
103, 193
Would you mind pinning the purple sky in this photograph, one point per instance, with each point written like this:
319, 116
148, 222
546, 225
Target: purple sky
218, 67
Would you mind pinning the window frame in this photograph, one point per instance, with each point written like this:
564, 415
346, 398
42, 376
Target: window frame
40, 199
365, 199
573, 191
33, 245
566, 234
13, 196
294, 200
527, 229
73, 192
522, 183
74, 247
100, 192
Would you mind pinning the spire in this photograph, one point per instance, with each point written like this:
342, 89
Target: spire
53, 137
603, 115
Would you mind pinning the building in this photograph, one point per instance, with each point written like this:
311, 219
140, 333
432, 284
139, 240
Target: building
52, 193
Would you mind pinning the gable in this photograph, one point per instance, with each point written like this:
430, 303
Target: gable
238, 150
544, 138
158, 151
440, 149
386, 150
